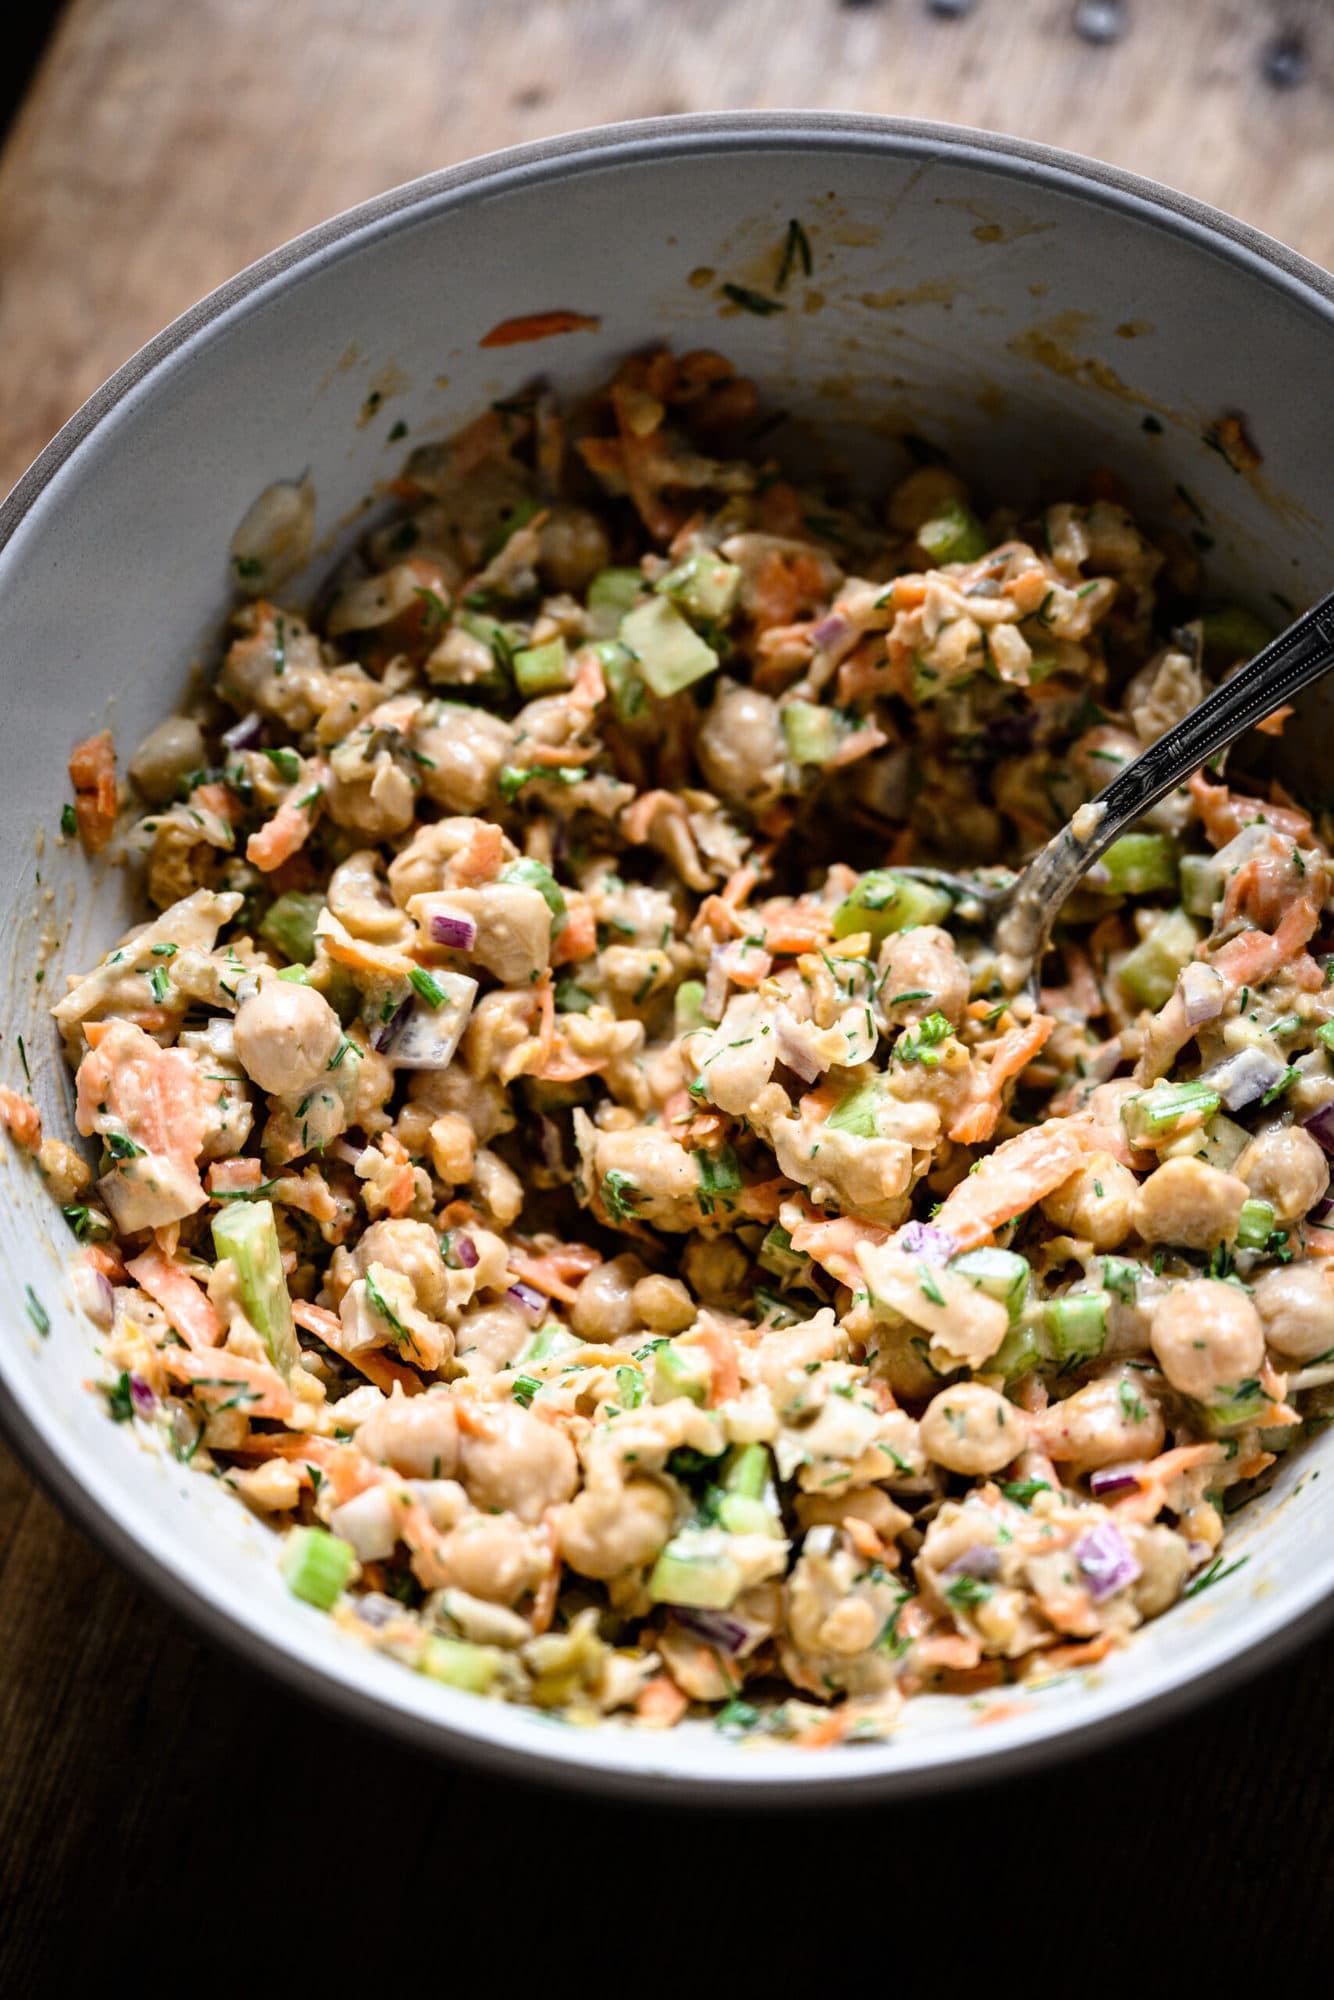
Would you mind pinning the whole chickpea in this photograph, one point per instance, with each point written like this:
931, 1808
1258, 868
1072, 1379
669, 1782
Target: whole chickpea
663, 1305
1096, 1203
1186, 1201
1207, 1336
1287, 1168
604, 1307
1296, 1307
969, 1428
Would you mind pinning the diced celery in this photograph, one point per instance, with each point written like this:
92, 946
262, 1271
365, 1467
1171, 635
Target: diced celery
1201, 883
289, 925
1220, 1143
530, 873
1255, 1224
696, 1569
631, 1387
1325, 1033
883, 902
953, 535
1232, 633
704, 584
542, 669
1120, 1276
1018, 1354
1001, 1274
778, 1258
1137, 864
681, 1371
688, 1007
856, 1113
610, 595
1076, 1325
1230, 1407
551, 1340
813, 733
747, 1470
741, 1514
670, 652
1149, 972
571, 997
295, 975
1169, 1107
317, 1565
459, 1664
499, 640
247, 1234
624, 681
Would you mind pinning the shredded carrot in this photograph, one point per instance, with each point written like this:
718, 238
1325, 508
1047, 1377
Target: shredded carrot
832, 1728
280, 837
538, 326
660, 1703
484, 856
1012, 1052
92, 770
720, 1347
186, 1303
1087, 1654
579, 938
222, 1379
21, 1119
548, 1591
1273, 724
231, 1176
372, 1362
1013, 1178
105, 1258
544, 1274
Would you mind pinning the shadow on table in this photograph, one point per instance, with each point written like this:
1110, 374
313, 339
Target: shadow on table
162, 1806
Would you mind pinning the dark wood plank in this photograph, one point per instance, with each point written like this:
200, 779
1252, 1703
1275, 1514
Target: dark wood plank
154, 1794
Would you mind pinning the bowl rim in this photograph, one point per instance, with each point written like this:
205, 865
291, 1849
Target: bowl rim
492, 1734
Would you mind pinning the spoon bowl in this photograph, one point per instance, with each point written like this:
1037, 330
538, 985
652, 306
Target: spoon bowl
1015, 914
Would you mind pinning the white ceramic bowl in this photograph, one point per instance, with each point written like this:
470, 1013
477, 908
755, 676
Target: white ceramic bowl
1029, 309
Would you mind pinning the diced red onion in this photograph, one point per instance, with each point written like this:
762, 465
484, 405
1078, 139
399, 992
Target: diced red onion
715, 984
792, 1048
1323, 1209
246, 734
375, 1609
1113, 1479
1320, 1125
458, 933
145, 1402
93, 1293
1244, 1078
715, 1627
982, 1561
548, 1138
1106, 1559
924, 1240
387, 1034
1203, 993
428, 1037
466, 1252
528, 1299
833, 627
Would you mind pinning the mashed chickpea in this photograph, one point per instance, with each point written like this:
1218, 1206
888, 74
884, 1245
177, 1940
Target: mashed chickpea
561, 1170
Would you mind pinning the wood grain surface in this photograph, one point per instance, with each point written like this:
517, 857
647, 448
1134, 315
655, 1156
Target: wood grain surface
160, 1806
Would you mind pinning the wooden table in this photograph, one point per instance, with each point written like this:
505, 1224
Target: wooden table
159, 1804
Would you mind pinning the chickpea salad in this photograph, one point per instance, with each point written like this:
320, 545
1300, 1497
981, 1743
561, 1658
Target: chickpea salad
621, 1233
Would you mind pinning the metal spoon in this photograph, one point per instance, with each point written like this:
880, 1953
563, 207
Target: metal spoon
1017, 914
